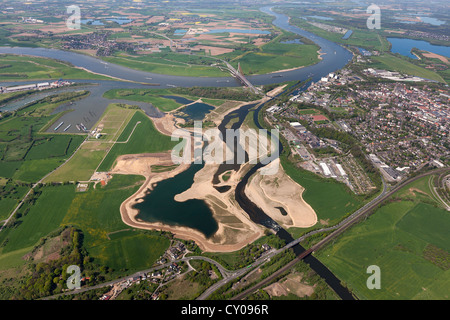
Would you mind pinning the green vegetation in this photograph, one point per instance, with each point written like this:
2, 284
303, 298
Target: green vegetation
145, 139
247, 255
15, 67
42, 213
275, 56
407, 238
10, 195
396, 63
144, 95
27, 154
172, 64
105, 248
131, 252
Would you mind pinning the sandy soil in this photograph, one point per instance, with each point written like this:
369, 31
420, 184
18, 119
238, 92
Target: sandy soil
235, 231
214, 50
270, 192
291, 285
437, 56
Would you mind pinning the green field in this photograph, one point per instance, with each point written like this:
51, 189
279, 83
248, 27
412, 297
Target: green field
331, 200
407, 238
45, 216
364, 38
10, 195
143, 95
131, 252
96, 213
54, 146
145, 139
81, 166
153, 63
276, 56
393, 63
17, 67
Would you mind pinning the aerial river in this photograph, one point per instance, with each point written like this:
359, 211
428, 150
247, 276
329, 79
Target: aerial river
334, 57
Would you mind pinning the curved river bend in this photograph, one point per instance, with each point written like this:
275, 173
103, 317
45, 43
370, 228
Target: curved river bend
334, 57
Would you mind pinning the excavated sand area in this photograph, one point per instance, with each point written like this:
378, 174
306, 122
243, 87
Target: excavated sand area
271, 192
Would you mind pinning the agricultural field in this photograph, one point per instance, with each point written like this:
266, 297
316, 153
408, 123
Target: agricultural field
153, 142
142, 95
171, 65
15, 67
275, 56
364, 38
393, 63
95, 212
407, 238
86, 160
106, 237
27, 154
40, 218
340, 201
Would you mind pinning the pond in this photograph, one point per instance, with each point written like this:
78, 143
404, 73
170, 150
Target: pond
404, 46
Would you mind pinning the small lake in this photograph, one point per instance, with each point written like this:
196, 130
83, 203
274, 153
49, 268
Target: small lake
318, 17
429, 20
404, 46
347, 34
100, 23
179, 99
196, 111
180, 32
160, 206
296, 41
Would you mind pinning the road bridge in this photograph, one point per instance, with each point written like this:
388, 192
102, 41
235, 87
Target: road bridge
239, 76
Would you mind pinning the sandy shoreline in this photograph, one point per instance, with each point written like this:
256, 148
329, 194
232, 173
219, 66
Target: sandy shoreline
235, 228
224, 240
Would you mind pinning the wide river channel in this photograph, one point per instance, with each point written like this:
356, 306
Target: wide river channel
334, 57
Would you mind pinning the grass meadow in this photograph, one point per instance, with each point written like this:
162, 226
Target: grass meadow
107, 239
407, 238
145, 139
330, 200
15, 67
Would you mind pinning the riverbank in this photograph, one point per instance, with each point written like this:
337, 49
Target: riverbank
235, 230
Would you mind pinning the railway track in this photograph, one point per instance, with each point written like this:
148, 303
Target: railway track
344, 226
